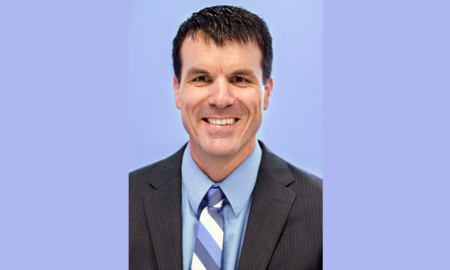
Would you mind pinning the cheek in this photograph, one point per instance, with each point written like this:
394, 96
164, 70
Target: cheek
255, 101
251, 103
187, 98
192, 101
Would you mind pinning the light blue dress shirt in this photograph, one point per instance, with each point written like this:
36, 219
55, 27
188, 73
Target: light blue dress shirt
238, 189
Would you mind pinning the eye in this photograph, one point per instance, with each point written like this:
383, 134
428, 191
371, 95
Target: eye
240, 80
201, 79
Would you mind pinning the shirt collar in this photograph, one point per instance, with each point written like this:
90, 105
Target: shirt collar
237, 187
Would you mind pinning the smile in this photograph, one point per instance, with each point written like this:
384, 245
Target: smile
221, 122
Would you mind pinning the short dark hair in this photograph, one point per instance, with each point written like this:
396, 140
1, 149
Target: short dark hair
222, 23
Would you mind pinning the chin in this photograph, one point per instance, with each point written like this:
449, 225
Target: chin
220, 148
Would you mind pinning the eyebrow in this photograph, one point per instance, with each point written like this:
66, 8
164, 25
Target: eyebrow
194, 71
244, 72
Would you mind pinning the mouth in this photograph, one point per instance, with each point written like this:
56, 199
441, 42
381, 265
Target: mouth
221, 122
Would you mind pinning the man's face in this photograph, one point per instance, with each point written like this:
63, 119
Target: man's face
221, 96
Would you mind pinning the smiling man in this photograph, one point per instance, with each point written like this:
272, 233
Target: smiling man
224, 201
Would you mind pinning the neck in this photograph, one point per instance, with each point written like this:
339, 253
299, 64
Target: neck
219, 168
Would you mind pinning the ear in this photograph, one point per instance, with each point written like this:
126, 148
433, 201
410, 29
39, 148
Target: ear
267, 92
176, 89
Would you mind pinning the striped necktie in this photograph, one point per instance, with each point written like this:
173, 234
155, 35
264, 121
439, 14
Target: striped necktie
209, 243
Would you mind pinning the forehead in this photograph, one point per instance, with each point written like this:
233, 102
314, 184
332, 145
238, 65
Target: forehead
198, 52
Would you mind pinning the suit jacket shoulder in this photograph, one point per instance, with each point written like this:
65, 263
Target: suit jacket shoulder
275, 165
284, 229
163, 170
155, 215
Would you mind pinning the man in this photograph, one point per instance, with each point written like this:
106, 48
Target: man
224, 201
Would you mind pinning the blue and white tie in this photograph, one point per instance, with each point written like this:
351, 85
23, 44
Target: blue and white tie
209, 243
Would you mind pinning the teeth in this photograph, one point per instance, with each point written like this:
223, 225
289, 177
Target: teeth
221, 122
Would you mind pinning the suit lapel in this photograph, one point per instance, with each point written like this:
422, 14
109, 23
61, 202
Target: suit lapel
271, 204
162, 206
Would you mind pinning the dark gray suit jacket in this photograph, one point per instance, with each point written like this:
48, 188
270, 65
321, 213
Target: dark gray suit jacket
284, 229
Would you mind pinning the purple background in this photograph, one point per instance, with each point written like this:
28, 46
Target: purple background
292, 126
386, 118
64, 144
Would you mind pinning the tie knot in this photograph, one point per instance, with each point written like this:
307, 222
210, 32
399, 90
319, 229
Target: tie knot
215, 197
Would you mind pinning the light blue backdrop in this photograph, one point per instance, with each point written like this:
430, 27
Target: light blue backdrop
292, 126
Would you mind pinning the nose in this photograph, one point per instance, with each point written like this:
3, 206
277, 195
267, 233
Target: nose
221, 95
